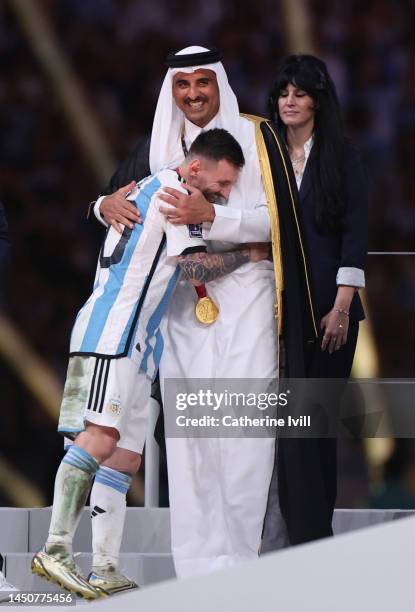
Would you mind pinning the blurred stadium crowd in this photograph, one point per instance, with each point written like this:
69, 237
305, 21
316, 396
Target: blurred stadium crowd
117, 49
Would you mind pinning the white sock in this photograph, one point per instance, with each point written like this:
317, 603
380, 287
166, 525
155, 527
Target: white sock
72, 484
108, 508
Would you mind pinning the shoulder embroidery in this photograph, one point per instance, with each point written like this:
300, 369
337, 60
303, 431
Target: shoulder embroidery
195, 230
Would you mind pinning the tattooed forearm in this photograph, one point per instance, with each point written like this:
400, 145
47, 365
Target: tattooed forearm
205, 267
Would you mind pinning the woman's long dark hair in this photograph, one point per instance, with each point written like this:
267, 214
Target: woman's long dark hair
310, 74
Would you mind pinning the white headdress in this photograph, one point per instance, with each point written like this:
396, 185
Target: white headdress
166, 149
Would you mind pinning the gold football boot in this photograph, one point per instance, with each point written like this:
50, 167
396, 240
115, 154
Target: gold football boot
111, 582
61, 570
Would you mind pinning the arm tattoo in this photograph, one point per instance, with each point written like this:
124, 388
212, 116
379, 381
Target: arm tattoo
205, 267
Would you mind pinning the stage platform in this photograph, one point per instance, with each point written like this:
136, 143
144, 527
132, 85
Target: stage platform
146, 554
364, 570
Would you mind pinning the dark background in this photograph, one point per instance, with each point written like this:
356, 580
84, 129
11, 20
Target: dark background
116, 50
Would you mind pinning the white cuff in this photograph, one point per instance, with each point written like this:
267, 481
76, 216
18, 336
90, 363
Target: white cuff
97, 212
206, 227
352, 277
225, 226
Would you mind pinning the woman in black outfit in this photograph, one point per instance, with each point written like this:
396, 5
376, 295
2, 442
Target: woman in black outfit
332, 207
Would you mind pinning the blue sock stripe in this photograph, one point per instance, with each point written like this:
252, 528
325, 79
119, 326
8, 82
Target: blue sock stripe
81, 459
114, 479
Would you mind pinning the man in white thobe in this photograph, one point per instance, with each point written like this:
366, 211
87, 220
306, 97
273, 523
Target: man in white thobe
218, 486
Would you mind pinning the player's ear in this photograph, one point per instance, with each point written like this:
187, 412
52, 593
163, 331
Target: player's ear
194, 167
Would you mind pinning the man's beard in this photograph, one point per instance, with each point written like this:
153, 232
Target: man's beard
215, 198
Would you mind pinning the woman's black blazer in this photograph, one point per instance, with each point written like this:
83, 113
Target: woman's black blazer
329, 250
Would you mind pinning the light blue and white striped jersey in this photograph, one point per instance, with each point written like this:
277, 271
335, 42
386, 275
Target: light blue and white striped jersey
136, 275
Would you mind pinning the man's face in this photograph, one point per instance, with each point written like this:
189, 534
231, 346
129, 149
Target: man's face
197, 95
214, 179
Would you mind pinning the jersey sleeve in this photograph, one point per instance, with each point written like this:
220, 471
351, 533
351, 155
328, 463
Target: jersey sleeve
179, 238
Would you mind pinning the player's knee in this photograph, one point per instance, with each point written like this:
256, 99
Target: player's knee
125, 461
133, 465
98, 441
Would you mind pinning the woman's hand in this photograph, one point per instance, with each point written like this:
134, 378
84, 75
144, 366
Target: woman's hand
336, 322
336, 327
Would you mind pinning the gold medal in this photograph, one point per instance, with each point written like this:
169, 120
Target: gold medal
206, 311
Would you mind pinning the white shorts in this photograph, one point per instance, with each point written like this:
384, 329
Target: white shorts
107, 392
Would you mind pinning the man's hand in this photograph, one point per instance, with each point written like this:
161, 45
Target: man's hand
117, 210
193, 208
258, 251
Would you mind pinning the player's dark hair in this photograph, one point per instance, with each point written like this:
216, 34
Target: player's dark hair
311, 75
217, 144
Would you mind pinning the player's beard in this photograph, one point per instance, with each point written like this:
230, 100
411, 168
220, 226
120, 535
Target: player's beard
215, 198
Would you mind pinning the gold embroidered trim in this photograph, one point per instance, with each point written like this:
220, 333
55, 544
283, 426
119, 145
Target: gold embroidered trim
298, 230
273, 212
268, 182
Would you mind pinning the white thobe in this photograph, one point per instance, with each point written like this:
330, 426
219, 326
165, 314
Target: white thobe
219, 486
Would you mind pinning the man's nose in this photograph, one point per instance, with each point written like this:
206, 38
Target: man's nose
193, 92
